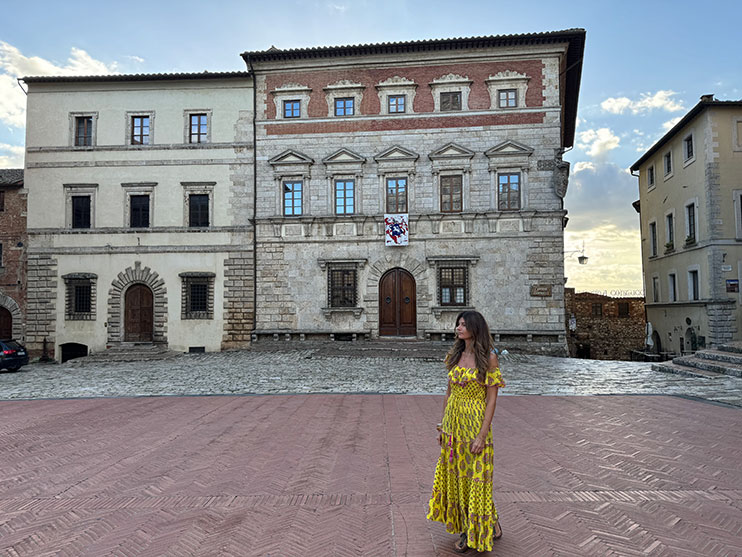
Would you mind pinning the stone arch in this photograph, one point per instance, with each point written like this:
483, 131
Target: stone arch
418, 269
17, 315
120, 285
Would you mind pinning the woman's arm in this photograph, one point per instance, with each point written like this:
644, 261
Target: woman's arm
477, 444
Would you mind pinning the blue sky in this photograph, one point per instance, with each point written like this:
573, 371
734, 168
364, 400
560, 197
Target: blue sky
646, 64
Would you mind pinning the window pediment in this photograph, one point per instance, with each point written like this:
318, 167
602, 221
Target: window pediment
396, 154
291, 157
396, 81
291, 88
344, 156
451, 151
509, 148
451, 79
344, 85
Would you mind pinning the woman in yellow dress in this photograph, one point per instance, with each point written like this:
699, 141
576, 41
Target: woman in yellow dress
462, 487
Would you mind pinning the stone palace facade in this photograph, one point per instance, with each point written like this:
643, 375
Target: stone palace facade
205, 210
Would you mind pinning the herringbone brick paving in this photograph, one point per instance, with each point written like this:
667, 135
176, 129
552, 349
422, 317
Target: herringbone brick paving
349, 475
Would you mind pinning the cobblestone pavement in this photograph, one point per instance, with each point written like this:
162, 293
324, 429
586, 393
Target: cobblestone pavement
341, 368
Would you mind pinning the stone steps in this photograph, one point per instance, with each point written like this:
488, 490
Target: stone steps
133, 352
721, 356
678, 369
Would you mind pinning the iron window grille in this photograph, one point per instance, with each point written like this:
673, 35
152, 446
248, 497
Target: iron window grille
80, 294
197, 295
342, 286
453, 286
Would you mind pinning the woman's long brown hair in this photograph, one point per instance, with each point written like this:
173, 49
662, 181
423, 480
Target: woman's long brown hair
481, 343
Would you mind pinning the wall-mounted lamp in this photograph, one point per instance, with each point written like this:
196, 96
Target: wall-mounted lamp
582, 258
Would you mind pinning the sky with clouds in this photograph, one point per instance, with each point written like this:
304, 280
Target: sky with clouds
646, 64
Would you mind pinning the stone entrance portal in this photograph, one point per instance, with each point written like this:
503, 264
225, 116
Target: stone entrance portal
398, 302
138, 307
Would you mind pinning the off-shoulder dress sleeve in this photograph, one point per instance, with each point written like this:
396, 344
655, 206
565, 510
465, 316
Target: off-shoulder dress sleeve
494, 378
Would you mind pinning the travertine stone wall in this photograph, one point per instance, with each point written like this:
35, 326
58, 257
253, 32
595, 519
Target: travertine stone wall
41, 313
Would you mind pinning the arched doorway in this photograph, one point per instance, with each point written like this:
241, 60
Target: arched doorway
72, 350
691, 340
138, 314
398, 302
6, 324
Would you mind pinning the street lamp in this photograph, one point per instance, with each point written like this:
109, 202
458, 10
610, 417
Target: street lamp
582, 259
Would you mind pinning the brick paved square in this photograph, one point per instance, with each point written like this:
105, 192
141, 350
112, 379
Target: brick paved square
303, 475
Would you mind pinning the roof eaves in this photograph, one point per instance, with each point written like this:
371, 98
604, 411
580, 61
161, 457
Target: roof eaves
134, 77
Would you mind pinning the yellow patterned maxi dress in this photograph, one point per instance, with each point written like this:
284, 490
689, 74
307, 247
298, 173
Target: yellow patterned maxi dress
462, 487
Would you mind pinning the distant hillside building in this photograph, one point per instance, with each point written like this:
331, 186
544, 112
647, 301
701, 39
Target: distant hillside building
12, 255
602, 327
690, 204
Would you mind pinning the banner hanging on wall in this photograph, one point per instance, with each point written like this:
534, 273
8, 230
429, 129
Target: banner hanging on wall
397, 229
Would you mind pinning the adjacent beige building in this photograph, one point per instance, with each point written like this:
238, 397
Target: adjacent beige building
139, 206
690, 204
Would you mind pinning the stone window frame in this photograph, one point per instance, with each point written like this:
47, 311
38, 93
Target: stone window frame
654, 248
344, 89
688, 139
504, 80
736, 134
292, 92
138, 188
670, 230
197, 188
693, 202
449, 160
403, 164
72, 280
344, 164
452, 261
395, 86
696, 268
451, 83
737, 203
505, 172
288, 166
129, 125
187, 113
667, 174
506, 158
75, 190
327, 266
651, 173
187, 280
73, 116
672, 286
656, 288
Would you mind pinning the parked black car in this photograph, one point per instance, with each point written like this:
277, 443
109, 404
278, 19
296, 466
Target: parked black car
12, 355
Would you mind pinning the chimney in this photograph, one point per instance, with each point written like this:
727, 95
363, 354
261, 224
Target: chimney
707, 98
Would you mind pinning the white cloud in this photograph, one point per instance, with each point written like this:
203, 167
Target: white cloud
667, 126
137, 59
582, 165
661, 100
14, 64
11, 156
337, 8
596, 143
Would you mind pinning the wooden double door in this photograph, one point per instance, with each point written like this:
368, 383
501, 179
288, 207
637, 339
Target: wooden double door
138, 314
397, 304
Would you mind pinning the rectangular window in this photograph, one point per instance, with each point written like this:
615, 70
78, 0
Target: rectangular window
450, 101
291, 109
451, 194
139, 211
80, 211
198, 128
396, 195
292, 193
507, 98
623, 309
140, 130
650, 176
197, 295
396, 104
668, 163
2, 201
672, 290
688, 148
198, 210
693, 285
508, 196
652, 239
452, 287
81, 303
342, 287
597, 310
690, 216
83, 131
655, 289
670, 231
344, 107
344, 197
